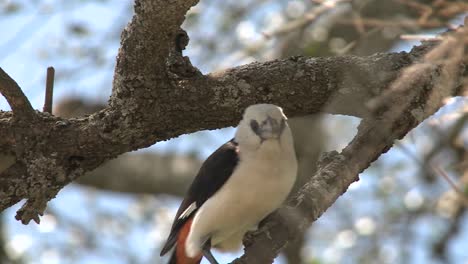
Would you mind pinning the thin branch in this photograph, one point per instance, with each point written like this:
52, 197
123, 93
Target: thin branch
306, 19
49, 93
409, 23
18, 102
463, 197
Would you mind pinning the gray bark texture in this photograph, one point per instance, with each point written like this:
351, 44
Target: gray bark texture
137, 173
158, 95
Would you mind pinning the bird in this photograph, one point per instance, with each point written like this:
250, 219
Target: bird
237, 186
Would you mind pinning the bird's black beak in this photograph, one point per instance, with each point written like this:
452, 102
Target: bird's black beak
273, 128
270, 128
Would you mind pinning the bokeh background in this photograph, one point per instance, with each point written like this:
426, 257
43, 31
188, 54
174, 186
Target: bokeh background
409, 207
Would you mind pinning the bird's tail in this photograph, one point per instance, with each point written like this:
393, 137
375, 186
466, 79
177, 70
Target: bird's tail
183, 259
178, 255
173, 259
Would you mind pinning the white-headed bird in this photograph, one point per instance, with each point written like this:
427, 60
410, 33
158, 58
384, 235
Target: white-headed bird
237, 186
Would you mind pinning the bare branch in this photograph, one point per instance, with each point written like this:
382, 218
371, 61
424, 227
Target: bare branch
15, 96
139, 116
306, 19
150, 103
147, 42
406, 106
49, 90
461, 194
141, 173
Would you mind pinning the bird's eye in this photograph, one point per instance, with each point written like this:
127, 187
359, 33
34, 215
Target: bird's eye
255, 127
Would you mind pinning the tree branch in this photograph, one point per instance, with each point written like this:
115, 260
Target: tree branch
15, 96
146, 43
49, 93
406, 105
69, 147
142, 173
150, 103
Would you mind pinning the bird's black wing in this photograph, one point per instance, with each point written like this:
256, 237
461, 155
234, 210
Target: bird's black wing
214, 172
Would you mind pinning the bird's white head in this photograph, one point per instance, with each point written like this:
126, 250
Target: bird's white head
260, 123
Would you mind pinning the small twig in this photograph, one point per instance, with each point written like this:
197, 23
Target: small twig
49, 90
461, 194
375, 22
304, 20
425, 10
420, 37
18, 102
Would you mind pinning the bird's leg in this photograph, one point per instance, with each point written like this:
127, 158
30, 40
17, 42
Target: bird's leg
207, 252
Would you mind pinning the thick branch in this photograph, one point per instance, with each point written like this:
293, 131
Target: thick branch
6, 161
335, 85
142, 173
7, 140
146, 45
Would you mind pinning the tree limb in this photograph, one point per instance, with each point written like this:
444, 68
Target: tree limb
140, 173
58, 150
15, 96
150, 103
407, 104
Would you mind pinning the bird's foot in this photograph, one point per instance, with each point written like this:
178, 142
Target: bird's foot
207, 253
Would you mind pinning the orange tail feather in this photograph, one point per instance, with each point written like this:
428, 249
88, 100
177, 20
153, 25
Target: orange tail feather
179, 256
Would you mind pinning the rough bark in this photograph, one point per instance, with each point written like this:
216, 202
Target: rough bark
157, 95
137, 173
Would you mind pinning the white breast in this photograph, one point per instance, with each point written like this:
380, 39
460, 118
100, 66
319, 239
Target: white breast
258, 186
